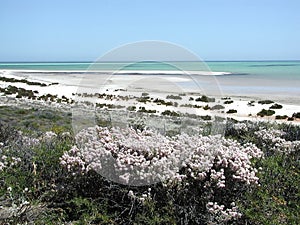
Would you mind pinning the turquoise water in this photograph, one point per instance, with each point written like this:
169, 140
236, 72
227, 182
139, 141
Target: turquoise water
276, 69
247, 77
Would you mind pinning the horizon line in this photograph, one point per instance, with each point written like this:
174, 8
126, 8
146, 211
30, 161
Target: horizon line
86, 61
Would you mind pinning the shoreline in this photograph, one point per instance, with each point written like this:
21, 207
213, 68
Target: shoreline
127, 72
69, 87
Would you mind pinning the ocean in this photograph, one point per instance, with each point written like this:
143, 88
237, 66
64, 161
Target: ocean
276, 69
269, 78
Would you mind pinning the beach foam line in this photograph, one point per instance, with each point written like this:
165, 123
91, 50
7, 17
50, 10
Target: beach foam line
125, 72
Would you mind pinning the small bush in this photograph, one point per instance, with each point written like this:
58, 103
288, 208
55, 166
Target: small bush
207, 117
265, 102
206, 107
170, 113
228, 102
191, 106
278, 117
265, 112
217, 107
276, 106
296, 115
204, 98
143, 110
131, 108
175, 97
251, 103
143, 99
162, 102
231, 111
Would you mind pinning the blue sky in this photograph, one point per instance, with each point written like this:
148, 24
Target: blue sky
74, 30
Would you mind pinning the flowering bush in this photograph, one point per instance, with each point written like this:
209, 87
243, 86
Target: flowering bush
189, 179
145, 157
274, 141
149, 156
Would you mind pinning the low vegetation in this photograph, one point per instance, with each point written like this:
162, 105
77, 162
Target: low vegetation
266, 112
170, 113
265, 102
251, 103
14, 80
228, 102
175, 97
217, 107
204, 98
296, 115
279, 117
162, 102
276, 106
109, 106
230, 111
143, 110
191, 106
46, 177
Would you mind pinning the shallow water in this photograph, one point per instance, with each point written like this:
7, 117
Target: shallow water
276, 79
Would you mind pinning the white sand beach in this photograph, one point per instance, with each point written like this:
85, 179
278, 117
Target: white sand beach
72, 84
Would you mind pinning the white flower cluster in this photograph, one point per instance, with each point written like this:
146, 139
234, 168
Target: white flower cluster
141, 157
141, 198
240, 127
273, 139
6, 154
73, 161
29, 141
49, 135
209, 152
220, 214
6, 161
124, 155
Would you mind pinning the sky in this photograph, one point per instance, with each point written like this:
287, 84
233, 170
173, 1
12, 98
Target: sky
77, 30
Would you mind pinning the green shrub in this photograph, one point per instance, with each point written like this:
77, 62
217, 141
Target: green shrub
251, 103
175, 97
276, 106
231, 111
204, 98
191, 106
278, 117
207, 117
206, 107
170, 113
162, 102
228, 102
265, 112
277, 200
131, 108
217, 107
296, 115
144, 99
263, 102
143, 110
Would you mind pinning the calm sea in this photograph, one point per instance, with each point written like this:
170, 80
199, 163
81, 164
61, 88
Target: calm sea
280, 69
246, 77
